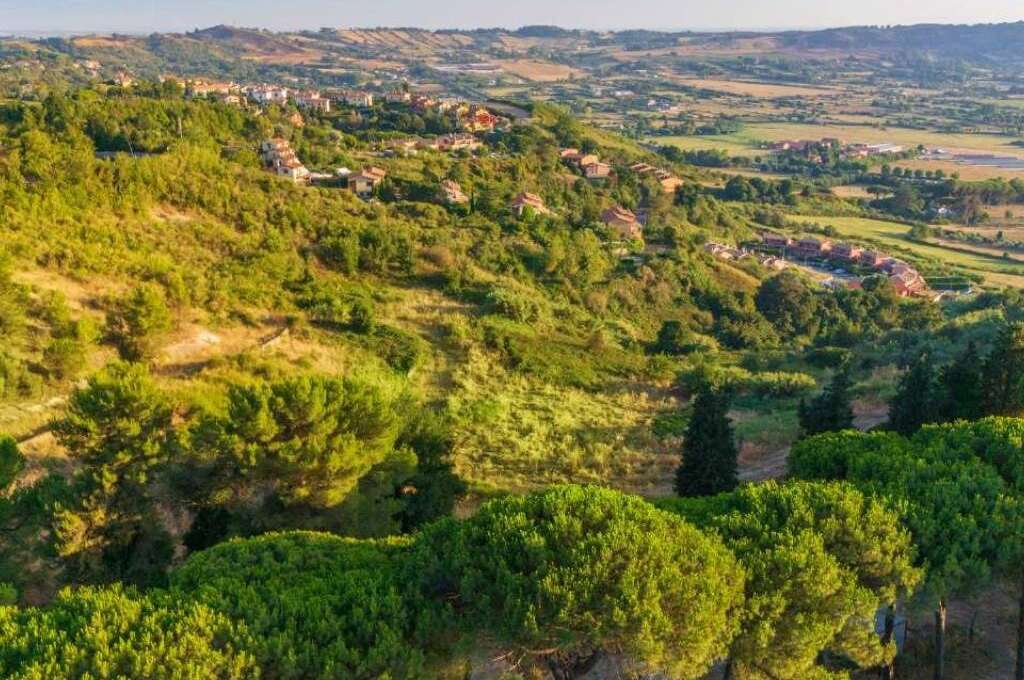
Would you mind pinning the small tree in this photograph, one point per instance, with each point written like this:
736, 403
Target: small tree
136, 320
960, 388
709, 450
1003, 376
831, 410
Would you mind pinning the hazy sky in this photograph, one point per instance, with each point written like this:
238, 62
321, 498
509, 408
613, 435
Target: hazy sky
148, 15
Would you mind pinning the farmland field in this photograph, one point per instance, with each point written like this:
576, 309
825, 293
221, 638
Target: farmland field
745, 142
755, 89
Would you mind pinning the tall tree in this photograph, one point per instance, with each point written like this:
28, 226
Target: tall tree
960, 388
1003, 377
913, 405
709, 450
568, 574
831, 410
821, 559
118, 429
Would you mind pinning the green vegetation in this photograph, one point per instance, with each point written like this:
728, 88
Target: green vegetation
268, 429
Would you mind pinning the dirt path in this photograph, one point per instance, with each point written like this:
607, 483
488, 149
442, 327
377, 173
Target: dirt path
758, 466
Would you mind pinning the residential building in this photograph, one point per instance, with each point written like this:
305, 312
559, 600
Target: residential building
526, 200
398, 97
847, 252
356, 98
873, 259
479, 119
622, 221
279, 157
458, 141
313, 102
268, 94
364, 182
669, 182
597, 171
809, 246
779, 241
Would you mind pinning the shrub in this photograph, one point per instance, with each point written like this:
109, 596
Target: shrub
109, 633
312, 605
136, 320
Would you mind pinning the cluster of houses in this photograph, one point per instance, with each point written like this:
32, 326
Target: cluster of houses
620, 220
669, 182
456, 141
588, 163
905, 279
593, 168
726, 252
812, 149
470, 117
280, 158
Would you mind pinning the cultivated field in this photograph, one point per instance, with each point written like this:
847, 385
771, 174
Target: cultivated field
756, 89
539, 71
746, 142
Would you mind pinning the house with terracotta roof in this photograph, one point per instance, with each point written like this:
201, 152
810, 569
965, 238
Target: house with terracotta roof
459, 141
669, 182
365, 181
479, 119
597, 170
623, 222
525, 200
278, 156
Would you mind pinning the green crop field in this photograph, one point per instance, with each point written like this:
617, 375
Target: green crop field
746, 141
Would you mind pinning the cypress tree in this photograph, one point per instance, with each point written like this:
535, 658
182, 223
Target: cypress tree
960, 387
1003, 375
914, 403
709, 451
831, 410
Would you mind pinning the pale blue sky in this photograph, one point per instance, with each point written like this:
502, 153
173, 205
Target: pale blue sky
147, 15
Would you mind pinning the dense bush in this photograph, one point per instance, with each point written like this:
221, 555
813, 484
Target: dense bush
313, 605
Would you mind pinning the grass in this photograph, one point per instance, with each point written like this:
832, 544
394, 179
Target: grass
993, 268
525, 432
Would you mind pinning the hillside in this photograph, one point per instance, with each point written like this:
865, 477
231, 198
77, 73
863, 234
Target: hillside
431, 406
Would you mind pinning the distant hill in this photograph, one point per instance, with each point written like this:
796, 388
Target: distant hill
977, 42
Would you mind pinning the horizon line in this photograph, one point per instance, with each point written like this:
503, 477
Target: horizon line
58, 33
